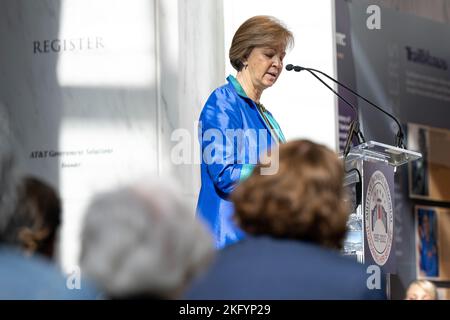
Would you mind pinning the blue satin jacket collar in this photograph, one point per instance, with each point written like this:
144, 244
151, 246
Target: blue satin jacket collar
272, 122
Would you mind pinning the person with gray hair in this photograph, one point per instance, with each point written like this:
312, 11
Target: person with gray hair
9, 180
141, 242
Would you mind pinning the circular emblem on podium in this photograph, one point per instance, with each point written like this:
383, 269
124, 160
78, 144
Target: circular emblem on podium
379, 218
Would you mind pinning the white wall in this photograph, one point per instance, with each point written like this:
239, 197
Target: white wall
303, 106
201, 66
153, 68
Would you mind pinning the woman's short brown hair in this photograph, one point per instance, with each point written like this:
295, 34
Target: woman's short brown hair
258, 31
304, 200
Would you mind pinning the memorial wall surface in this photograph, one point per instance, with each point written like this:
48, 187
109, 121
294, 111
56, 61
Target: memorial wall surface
94, 90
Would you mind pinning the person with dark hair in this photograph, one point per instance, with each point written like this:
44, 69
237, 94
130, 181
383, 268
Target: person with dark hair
25, 277
36, 220
295, 222
234, 127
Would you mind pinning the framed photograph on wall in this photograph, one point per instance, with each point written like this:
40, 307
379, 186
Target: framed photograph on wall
432, 243
429, 177
427, 242
418, 170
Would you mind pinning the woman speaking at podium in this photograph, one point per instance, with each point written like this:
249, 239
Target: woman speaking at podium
235, 128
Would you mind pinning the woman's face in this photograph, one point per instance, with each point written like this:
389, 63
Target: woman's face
265, 65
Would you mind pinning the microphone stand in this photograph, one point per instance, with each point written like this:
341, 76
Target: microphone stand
354, 125
400, 135
354, 131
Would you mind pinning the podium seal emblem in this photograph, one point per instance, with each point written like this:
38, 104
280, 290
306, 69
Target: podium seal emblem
378, 213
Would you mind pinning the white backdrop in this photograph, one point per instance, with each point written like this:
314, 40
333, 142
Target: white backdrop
303, 106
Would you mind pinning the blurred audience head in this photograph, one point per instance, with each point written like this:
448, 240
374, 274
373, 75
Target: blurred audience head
27, 218
8, 175
36, 219
141, 242
421, 290
303, 200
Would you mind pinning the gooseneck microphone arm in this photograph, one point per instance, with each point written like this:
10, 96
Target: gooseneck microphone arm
324, 83
400, 134
354, 125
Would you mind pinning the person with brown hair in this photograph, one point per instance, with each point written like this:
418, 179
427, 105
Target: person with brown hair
295, 221
37, 217
234, 127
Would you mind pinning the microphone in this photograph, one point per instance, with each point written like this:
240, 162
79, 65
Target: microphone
290, 67
354, 125
399, 138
